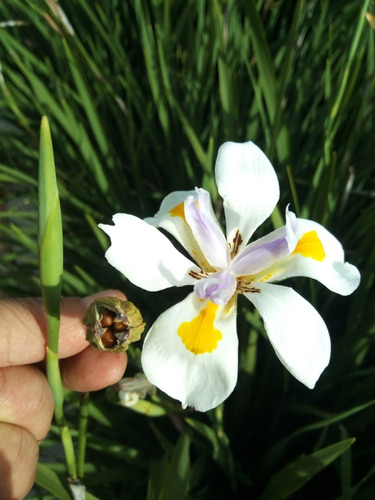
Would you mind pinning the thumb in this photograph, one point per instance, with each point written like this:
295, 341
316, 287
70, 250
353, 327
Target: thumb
23, 331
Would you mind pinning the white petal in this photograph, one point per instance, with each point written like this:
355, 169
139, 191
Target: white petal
171, 217
206, 229
249, 187
296, 331
199, 380
321, 258
145, 256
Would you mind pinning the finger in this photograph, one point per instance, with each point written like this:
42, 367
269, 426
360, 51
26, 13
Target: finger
26, 399
23, 329
91, 370
19, 453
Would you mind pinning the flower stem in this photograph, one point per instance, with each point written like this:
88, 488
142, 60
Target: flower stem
82, 433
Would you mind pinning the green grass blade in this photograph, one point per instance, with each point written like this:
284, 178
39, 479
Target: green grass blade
49, 480
294, 475
177, 474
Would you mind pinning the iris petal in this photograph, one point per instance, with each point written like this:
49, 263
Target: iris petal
218, 287
145, 256
249, 187
265, 251
168, 218
199, 380
171, 217
318, 255
206, 229
296, 331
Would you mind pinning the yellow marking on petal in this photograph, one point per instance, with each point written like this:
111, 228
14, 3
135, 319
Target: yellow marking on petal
247, 277
309, 245
232, 303
178, 211
266, 277
199, 335
195, 255
203, 263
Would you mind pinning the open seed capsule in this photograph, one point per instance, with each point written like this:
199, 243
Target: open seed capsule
113, 324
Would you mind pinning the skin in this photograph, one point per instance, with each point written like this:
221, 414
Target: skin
26, 403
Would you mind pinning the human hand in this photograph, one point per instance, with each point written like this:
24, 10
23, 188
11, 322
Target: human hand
26, 402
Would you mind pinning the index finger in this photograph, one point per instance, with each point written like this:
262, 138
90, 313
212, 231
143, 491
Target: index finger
23, 330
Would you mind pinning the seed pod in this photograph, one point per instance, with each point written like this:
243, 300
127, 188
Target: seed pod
113, 324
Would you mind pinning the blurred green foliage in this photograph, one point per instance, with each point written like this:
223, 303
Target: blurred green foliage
139, 95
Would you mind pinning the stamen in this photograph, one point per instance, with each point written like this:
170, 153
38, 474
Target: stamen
244, 286
237, 242
198, 276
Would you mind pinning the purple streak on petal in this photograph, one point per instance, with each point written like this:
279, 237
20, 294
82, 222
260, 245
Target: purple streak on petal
262, 253
206, 229
218, 287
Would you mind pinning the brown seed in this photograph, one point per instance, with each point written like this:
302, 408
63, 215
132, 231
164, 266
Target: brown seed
120, 326
107, 317
109, 339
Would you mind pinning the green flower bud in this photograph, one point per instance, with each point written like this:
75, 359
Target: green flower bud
113, 324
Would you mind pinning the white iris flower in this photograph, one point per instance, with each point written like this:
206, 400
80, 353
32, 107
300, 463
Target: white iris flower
191, 351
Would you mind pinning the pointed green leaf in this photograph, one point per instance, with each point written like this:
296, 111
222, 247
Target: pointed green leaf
176, 480
221, 451
50, 238
49, 480
158, 471
168, 481
294, 475
50, 234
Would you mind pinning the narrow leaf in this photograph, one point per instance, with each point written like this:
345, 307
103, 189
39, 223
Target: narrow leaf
168, 481
49, 480
293, 476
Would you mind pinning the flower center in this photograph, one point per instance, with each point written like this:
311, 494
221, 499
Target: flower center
219, 287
